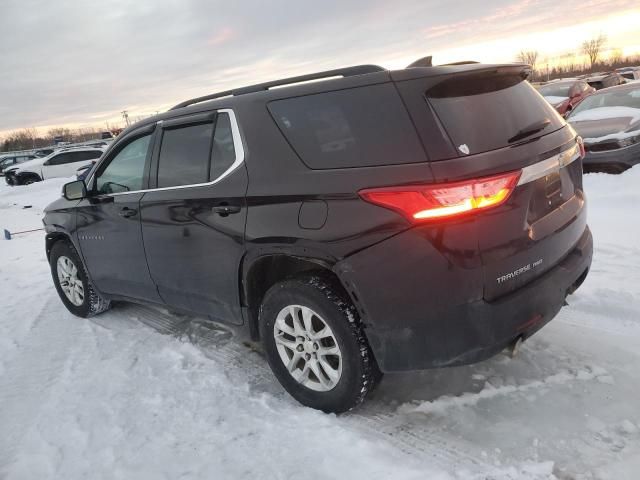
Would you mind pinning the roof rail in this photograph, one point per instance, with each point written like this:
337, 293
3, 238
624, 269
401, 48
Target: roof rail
463, 62
340, 72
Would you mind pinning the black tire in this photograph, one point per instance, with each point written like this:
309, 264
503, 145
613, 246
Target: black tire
93, 303
360, 373
27, 179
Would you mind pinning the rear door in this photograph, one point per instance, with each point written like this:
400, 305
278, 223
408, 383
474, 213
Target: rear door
494, 122
193, 220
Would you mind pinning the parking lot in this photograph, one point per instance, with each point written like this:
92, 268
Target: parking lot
142, 393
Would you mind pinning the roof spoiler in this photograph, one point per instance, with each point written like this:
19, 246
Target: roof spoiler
422, 62
428, 62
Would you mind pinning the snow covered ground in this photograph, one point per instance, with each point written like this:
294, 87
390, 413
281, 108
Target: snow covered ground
138, 393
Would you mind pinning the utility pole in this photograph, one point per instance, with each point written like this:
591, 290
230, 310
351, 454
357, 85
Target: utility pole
125, 115
548, 71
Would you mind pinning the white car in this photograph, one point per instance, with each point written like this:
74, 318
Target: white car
61, 163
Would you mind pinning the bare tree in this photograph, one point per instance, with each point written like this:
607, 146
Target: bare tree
530, 57
592, 48
615, 56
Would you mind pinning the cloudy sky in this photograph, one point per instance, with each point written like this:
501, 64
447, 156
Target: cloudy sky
81, 62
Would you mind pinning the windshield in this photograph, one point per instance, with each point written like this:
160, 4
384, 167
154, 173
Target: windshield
615, 98
561, 90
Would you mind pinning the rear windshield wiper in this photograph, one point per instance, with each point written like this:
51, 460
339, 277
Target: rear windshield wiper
530, 130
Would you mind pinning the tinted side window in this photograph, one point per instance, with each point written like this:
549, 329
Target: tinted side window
125, 171
87, 155
185, 153
358, 127
223, 151
61, 159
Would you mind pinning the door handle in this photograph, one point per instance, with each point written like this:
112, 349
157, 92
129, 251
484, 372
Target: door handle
127, 212
225, 210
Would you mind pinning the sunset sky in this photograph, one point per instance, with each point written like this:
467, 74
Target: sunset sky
79, 63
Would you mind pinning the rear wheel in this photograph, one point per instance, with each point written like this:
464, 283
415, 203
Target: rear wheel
315, 344
72, 283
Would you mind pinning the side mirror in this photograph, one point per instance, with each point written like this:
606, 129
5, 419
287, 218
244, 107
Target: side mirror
74, 190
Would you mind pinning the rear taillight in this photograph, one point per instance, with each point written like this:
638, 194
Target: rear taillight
421, 203
583, 152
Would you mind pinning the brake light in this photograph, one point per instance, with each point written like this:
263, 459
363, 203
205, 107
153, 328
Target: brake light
444, 200
583, 152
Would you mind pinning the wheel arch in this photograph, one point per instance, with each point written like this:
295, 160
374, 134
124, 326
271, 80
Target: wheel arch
22, 177
262, 272
53, 237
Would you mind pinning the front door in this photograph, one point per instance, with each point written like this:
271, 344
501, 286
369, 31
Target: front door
108, 221
193, 221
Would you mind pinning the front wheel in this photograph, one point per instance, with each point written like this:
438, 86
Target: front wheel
72, 283
315, 344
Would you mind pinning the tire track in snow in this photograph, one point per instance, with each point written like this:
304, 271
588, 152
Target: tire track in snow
244, 363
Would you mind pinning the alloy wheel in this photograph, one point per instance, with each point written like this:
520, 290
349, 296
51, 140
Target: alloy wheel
69, 281
308, 348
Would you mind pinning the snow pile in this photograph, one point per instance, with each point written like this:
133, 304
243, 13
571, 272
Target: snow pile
39, 194
602, 113
141, 393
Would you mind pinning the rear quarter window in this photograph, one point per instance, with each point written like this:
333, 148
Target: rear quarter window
358, 127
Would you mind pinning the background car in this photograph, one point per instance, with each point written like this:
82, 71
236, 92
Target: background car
605, 80
564, 95
61, 163
609, 123
7, 161
629, 73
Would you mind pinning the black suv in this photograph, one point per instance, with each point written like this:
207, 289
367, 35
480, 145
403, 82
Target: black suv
375, 221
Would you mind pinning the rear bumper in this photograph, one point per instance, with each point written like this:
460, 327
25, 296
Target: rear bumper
425, 323
623, 157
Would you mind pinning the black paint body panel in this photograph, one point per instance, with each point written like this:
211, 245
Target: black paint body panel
194, 253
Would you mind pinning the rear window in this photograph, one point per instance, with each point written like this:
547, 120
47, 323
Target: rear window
486, 113
359, 127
